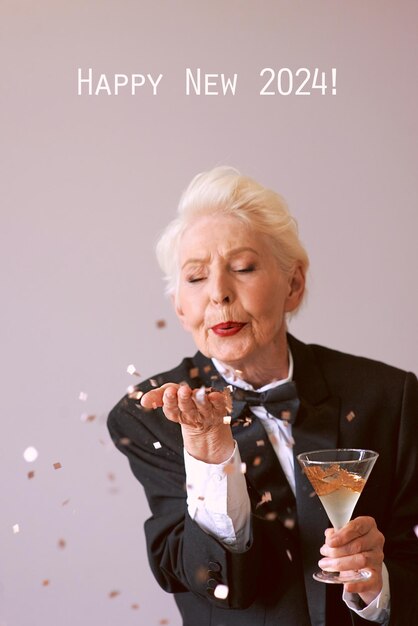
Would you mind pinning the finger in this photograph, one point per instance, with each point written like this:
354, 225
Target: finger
154, 398
355, 528
370, 559
373, 540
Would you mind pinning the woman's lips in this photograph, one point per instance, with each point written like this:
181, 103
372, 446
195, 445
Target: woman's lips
226, 329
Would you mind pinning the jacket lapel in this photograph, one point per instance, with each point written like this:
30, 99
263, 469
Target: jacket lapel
316, 428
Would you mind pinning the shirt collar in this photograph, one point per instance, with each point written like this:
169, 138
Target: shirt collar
229, 374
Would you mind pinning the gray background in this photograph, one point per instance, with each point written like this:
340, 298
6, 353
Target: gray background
87, 185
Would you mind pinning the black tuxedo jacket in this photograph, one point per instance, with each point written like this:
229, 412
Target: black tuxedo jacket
271, 582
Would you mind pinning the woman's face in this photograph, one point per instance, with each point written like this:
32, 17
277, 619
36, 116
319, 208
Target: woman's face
232, 294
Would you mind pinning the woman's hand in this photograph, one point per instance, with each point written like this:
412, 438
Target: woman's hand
358, 545
201, 415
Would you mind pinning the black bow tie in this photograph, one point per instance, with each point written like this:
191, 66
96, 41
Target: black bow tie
281, 401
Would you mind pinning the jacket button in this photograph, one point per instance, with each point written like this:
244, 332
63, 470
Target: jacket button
214, 566
211, 584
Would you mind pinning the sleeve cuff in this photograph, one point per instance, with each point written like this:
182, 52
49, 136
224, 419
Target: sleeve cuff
376, 611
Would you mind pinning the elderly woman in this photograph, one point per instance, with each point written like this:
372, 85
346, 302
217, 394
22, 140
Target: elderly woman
235, 533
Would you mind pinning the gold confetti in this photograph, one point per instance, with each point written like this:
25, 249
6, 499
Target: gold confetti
260, 442
221, 592
113, 594
57, 466
83, 396
226, 419
86, 417
65, 502
163, 621
124, 441
243, 468
350, 416
157, 445
289, 555
161, 323
207, 369
135, 394
194, 372
266, 497
271, 516
16, 529
248, 421
257, 461
31, 475
201, 498
30, 454
45, 582
111, 476
153, 382
135, 606
62, 543
201, 574
312, 494
289, 523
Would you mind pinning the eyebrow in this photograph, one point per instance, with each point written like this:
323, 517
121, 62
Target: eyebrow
229, 254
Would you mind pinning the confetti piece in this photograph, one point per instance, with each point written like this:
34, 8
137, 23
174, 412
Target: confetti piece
65, 502
271, 516
131, 369
257, 461
161, 323
350, 416
260, 442
157, 445
248, 422
111, 476
30, 454
124, 441
16, 529
221, 592
153, 382
207, 369
135, 394
113, 594
83, 396
194, 372
289, 523
31, 475
416, 530
45, 582
226, 419
312, 494
266, 497
243, 468
289, 555
85, 417
130, 389
135, 606
201, 498
201, 574
57, 466
62, 543
239, 373
200, 394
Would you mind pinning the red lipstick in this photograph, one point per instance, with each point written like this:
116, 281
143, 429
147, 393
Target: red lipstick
226, 329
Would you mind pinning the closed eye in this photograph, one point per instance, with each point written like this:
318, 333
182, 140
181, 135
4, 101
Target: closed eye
243, 270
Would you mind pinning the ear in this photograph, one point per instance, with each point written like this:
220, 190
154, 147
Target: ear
296, 287
179, 311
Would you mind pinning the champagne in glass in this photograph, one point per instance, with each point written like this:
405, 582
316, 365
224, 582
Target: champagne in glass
338, 477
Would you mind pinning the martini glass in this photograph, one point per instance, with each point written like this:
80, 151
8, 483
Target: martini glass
338, 477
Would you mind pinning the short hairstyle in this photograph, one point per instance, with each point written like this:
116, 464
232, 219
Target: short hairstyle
225, 191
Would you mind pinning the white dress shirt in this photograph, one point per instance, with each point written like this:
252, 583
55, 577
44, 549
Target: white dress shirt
218, 500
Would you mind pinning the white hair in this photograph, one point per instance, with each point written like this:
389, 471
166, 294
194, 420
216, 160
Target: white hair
224, 191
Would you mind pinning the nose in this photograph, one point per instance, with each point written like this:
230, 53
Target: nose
220, 289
